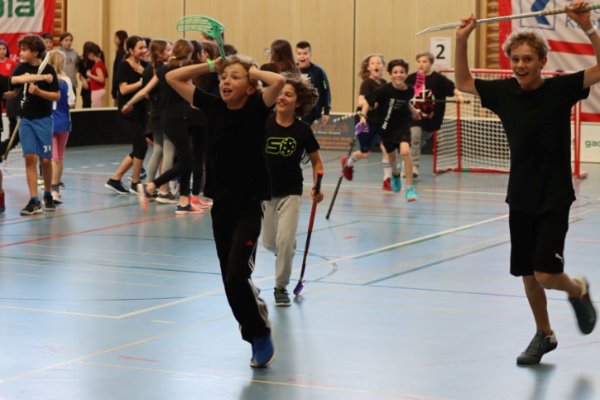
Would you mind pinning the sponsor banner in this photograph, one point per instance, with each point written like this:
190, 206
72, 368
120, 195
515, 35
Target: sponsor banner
336, 134
570, 48
19, 17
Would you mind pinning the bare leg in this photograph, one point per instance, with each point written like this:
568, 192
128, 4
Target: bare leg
31, 161
536, 296
57, 170
408, 166
393, 160
559, 282
137, 169
47, 174
123, 168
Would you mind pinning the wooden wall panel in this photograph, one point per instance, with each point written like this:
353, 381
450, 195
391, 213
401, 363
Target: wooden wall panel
251, 26
341, 31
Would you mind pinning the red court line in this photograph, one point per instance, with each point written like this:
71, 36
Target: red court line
62, 235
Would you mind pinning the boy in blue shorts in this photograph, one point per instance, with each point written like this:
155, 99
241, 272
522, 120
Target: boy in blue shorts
5, 83
35, 131
395, 115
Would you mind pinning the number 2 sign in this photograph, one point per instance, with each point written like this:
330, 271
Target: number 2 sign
441, 48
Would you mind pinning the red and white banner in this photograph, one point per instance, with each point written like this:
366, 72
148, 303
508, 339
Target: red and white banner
570, 48
20, 17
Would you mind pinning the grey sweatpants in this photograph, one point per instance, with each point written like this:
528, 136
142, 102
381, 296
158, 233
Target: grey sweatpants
279, 228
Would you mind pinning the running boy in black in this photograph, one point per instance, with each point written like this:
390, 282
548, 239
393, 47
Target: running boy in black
535, 113
431, 103
319, 80
288, 140
237, 180
36, 127
394, 113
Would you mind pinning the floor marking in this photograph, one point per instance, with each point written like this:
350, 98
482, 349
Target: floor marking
158, 321
104, 228
112, 349
148, 360
408, 242
289, 383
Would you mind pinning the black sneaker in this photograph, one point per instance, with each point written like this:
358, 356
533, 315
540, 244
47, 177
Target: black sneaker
540, 345
116, 186
584, 308
49, 203
282, 298
133, 188
32, 208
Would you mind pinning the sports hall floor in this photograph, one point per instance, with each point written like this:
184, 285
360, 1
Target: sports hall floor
403, 301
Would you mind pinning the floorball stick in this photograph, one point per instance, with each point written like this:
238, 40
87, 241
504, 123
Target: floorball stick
359, 128
311, 222
553, 11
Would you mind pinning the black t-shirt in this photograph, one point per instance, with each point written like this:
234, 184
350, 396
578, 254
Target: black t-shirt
284, 149
172, 104
538, 130
154, 94
367, 87
83, 67
128, 75
393, 106
236, 168
437, 87
4, 84
32, 106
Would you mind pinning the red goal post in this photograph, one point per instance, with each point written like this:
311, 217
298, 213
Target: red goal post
471, 138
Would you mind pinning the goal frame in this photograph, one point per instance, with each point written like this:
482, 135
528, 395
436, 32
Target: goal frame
457, 114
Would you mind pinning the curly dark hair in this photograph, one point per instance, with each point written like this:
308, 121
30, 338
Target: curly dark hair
306, 93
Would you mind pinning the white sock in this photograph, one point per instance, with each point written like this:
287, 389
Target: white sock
350, 162
387, 170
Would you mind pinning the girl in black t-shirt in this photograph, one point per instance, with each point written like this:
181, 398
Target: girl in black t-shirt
130, 81
288, 139
173, 118
237, 180
371, 72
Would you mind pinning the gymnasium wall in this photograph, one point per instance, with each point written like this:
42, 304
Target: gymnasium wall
341, 32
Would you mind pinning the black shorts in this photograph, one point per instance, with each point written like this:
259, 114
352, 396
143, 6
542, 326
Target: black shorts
538, 241
393, 138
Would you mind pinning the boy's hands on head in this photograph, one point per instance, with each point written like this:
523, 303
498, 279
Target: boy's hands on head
467, 26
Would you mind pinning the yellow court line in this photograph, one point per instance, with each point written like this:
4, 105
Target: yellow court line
316, 386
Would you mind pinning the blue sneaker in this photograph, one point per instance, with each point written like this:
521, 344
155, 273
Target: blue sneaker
411, 194
263, 351
396, 183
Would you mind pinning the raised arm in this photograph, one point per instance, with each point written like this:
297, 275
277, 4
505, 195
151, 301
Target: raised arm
143, 92
591, 75
274, 81
180, 79
462, 75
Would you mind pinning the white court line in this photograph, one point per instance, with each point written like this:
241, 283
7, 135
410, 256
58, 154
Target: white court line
411, 241
334, 261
